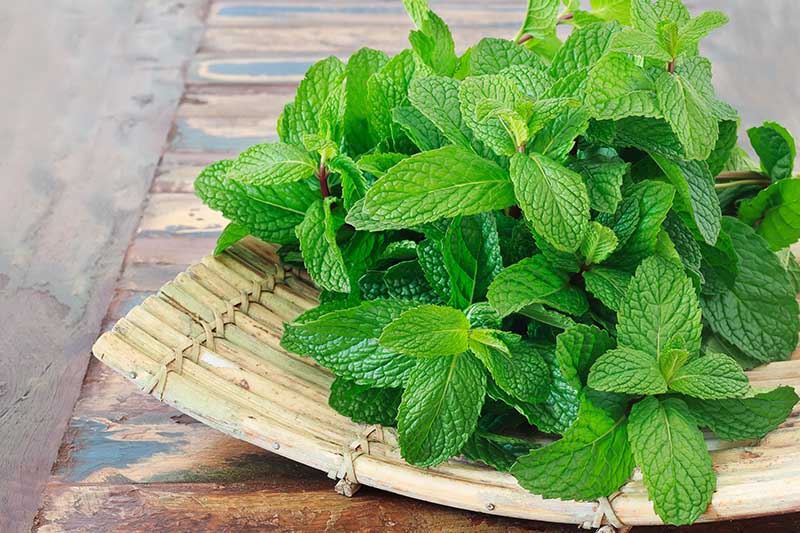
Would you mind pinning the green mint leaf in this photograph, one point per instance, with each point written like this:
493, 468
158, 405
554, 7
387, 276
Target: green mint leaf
628, 371
529, 81
437, 98
434, 44
750, 417
406, 280
422, 132
346, 342
331, 115
600, 242
378, 164
490, 130
697, 28
515, 366
776, 149
766, 331
671, 361
365, 404
302, 116
431, 260
592, 460
372, 285
726, 142
532, 281
387, 89
776, 211
440, 408
483, 315
540, 18
471, 254
272, 164
557, 138
354, 185
635, 42
671, 452
619, 10
568, 262
654, 202
398, 250
583, 48
498, 451
695, 198
577, 348
418, 11
427, 331
607, 285
438, 184
660, 304
232, 234
269, 213
696, 70
618, 88
647, 15
603, 179
553, 198
651, 135
712, 377
491, 55
321, 254
686, 111
361, 65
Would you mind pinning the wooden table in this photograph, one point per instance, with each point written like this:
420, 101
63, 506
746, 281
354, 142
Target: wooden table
127, 462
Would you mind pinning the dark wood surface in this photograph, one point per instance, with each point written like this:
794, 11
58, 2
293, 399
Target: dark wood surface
87, 125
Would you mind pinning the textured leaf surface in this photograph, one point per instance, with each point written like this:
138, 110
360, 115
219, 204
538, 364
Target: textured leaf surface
520, 371
431, 260
618, 88
321, 254
427, 331
498, 451
714, 376
758, 314
607, 285
776, 210
553, 198
654, 202
422, 132
346, 341
232, 234
686, 111
583, 48
361, 65
492, 55
437, 98
365, 404
603, 179
577, 348
671, 452
272, 164
405, 280
440, 408
600, 242
471, 254
775, 148
489, 129
387, 89
629, 371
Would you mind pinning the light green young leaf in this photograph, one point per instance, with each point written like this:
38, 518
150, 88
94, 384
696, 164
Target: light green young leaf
269, 213
776, 213
775, 148
427, 331
750, 417
491, 55
365, 404
321, 254
529, 81
600, 242
437, 98
434, 44
553, 198
619, 10
660, 303
618, 88
540, 18
671, 360
686, 110
607, 285
646, 14
418, 10
379, 163
577, 348
422, 132
697, 28
387, 89
490, 130
360, 66
639, 43
532, 281
766, 331
438, 184
471, 254
583, 48
354, 185
603, 179
671, 451
232, 234
714, 376
272, 164
628, 371
440, 408
592, 460
346, 342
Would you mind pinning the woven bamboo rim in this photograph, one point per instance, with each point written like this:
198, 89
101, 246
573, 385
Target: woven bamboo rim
208, 344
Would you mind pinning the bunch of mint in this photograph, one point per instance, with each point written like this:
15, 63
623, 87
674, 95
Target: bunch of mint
537, 236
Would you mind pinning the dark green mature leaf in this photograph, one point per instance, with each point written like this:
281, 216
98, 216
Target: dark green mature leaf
321, 254
427, 331
577, 348
654, 202
498, 451
516, 366
714, 376
603, 179
726, 142
431, 260
776, 212
759, 313
269, 213
365, 404
629, 371
406, 280
750, 417
422, 132
671, 451
440, 408
592, 460
441, 183
532, 281
232, 234
346, 341
471, 254
776, 149
553, 198
607, 285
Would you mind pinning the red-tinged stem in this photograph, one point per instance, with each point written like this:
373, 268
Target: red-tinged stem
323, 180
565, 17
521, 148
525, 38
671, 67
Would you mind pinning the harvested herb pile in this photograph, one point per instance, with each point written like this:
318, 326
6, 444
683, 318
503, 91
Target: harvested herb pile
537, 237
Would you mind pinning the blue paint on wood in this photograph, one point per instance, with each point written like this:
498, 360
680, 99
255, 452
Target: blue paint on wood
188, 138
260, 68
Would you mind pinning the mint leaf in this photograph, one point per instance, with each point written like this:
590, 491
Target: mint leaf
540, 18
776, 149
612, 10
750, 417
654, 202
660, 304
603, 179
232, 234
364, 404
346, 342
405, 280
515, 366
671, 360
686, 111
269, 213
498, 451
776, 211
360, 67
529, 81
441, 183
583, 48
471, 254
427, 331
431, 260
759, 313
422, 132
618, 88
434, 44
378, 164
635, 42
492, 55
629, 371
272, 164
489, 129
726, 142
712, 377
577, 348
697, 28
671, 452
321, 254
553, 198
532, 281
354, 185
607, 285
647, 15
437, 98
387, 89
592, 460
600, 242
440, 408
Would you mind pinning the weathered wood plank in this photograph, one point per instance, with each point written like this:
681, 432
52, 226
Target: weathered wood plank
215, 134
179, 214
89, 91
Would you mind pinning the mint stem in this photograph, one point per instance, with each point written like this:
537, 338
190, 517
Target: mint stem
737, 183
565, 17
323, 180
524, 38
671, 67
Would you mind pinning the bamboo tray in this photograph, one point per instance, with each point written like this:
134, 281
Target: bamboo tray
208, 344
